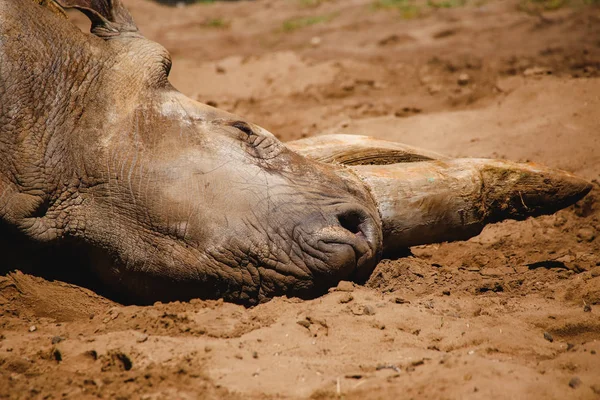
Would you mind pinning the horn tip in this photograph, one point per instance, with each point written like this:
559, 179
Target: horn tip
518, 191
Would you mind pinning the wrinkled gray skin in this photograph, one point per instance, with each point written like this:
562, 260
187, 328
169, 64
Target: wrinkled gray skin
174, 199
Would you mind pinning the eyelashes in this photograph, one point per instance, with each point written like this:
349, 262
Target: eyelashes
243, 126
259, 145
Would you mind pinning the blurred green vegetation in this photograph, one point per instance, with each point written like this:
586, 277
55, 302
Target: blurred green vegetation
410, 9
293, 24
312, 3
216, 23
534, 6
413, 8
407, 8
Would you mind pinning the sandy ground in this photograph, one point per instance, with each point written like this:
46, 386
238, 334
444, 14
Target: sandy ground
513, 313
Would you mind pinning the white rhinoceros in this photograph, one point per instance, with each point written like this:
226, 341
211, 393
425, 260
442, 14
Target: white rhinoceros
105, 167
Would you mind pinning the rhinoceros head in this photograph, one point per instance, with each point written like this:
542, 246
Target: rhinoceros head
174, 198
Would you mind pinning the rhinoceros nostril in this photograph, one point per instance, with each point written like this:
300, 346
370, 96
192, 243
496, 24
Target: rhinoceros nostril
352, 221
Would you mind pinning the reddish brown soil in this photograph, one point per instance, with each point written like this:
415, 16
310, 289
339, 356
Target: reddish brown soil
513, 313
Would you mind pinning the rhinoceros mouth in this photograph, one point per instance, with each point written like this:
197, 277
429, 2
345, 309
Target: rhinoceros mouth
342, 242
345, 249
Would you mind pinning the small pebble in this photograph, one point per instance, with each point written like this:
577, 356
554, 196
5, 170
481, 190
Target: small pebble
387, 366
548, 337
536, 71
560, 221
354, 376
346, 298
57, 339
315, 41
304, 323
378, 325
142, 338
254, 354
586, 234
446, 293
433, 88
368, 310
32, 328
464, 79
587, 308
93, 354
575, 382
345, 286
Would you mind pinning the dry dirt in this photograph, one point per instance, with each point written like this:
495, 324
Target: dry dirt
513, 313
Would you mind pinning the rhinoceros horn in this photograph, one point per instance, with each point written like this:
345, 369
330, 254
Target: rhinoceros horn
424, 197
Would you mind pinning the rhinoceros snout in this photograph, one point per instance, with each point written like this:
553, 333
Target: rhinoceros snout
365, 238
347, 238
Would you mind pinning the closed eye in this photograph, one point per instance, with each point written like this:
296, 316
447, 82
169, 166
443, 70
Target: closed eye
259, 143
244, 127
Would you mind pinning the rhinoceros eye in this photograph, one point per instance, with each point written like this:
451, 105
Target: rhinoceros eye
258, 143
244, 127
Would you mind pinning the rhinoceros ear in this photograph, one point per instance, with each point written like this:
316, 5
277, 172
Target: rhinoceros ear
359, 150
109, 17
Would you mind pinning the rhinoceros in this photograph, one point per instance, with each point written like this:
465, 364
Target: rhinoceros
106, 167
